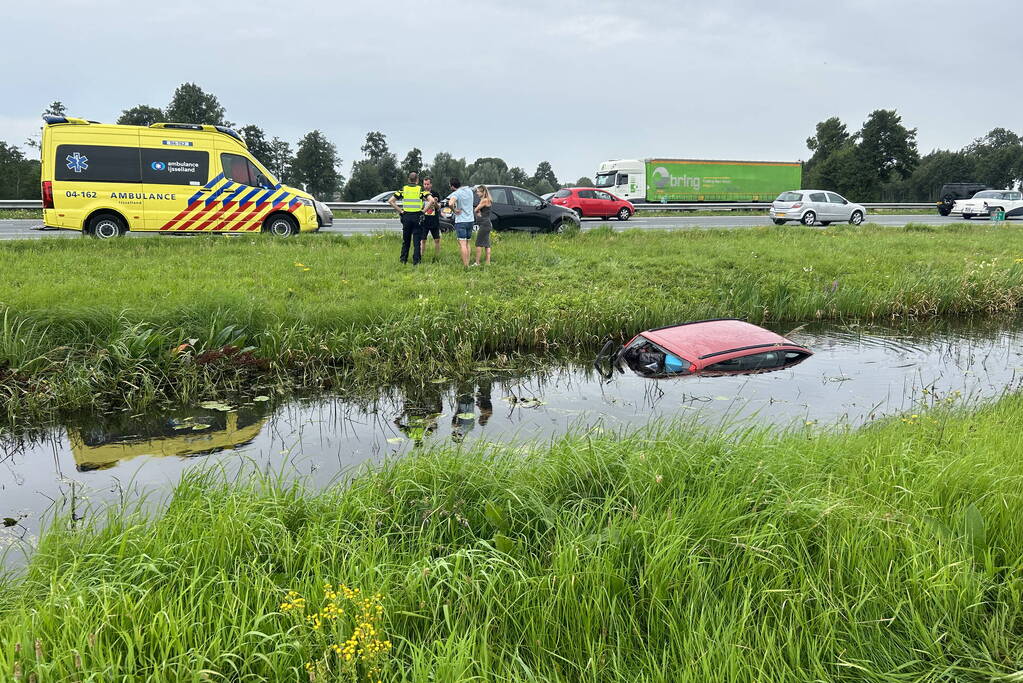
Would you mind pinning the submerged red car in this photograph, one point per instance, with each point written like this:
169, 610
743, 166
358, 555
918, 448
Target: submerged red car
722, 346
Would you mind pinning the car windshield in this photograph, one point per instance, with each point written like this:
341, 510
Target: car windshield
988, 194
789, 197
561, 194
606, 179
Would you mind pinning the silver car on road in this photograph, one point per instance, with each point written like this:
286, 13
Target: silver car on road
810, 207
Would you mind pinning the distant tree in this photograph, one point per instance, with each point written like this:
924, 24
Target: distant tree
19, 177
413, 162
141, 115
544, 178
584, 182
936, 169
518, 177
316, 166
56, 108
444, 168
191, 104
488, 171
998, 157
259, 146
887, 147
845, 172
831, 136
365, 182
281, 160
375, 147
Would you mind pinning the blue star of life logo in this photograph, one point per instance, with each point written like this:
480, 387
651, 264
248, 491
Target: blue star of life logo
77, 163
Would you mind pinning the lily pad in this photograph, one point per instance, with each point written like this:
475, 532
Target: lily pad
199, 427
467, 416
396, 440
261, 398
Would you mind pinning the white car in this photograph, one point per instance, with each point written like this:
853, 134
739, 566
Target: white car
812, 206
378, 199
988, 202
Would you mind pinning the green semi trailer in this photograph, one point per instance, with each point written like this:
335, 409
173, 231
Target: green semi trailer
692, 180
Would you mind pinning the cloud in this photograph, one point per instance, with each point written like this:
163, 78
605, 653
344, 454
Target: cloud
573, 82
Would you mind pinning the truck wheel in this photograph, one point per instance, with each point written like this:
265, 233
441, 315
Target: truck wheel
624, 214
106, 226
856, 218
280, 225
809, 218
778, 221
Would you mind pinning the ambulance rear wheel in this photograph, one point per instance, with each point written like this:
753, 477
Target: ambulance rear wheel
280, 225
106, 226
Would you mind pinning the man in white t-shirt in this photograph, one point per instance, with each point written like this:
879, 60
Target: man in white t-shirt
461, 201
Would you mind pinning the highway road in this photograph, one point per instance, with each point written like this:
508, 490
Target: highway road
31, 229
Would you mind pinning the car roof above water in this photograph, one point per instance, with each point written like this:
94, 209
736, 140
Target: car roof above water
704, 338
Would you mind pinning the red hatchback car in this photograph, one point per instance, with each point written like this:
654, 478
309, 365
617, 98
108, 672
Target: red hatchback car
588, 202
724, 346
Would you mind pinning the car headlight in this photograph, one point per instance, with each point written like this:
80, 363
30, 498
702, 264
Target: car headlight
305, 202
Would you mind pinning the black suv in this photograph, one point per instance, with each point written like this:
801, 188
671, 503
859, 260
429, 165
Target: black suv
950, 192
518, 209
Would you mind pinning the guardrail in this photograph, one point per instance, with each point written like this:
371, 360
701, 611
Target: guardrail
696, 206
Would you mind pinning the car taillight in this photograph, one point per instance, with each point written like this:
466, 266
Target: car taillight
47, 194
797, 205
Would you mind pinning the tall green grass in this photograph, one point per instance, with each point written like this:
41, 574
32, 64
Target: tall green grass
888, 554
91, 323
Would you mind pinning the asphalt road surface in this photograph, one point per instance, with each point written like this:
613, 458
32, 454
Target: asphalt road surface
30, 229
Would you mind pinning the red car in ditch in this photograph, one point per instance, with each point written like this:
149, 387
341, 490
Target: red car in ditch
588, 202
723, 346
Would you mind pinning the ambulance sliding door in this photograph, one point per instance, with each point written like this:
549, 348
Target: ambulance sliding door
179, 191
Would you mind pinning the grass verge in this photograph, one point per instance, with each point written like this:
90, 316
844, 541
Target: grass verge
85, 324
887, 554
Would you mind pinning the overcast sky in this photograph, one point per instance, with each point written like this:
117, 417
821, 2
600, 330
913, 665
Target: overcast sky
571, 82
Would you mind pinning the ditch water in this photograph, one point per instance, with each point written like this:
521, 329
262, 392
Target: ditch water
857, 374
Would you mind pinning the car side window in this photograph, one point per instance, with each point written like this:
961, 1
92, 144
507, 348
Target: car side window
756, 361
587, 194
523, 198
603, 195
817, 197
836, 199
499, 195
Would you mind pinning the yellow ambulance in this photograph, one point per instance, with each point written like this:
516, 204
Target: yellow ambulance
170, 178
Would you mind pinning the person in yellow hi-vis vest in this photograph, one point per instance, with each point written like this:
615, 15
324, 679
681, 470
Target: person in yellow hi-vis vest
413, 203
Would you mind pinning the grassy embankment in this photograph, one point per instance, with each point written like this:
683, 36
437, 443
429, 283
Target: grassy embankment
888, 554
83, 323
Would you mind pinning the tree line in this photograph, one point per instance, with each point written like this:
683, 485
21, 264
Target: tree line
880, 162
313, 164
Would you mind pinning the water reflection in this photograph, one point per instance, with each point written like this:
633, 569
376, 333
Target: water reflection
183, 433
855, 375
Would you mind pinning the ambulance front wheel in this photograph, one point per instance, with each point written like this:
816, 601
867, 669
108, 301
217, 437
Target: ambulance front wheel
280, 225
106, 226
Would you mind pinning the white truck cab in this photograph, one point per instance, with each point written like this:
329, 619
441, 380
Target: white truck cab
624, 178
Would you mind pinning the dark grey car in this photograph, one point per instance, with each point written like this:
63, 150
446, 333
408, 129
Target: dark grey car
518, 209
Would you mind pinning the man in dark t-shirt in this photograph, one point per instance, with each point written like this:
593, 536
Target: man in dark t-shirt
431, 220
